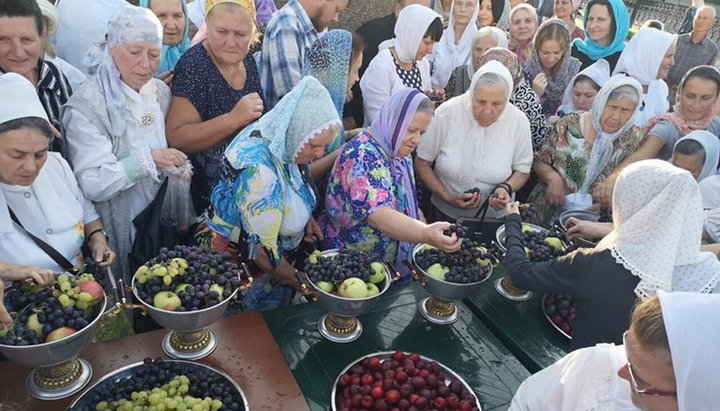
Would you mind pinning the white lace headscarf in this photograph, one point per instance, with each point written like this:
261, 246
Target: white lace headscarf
658, 223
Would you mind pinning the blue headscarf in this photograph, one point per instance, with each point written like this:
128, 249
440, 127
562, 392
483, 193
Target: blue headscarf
328, 60
621, 18
171, 54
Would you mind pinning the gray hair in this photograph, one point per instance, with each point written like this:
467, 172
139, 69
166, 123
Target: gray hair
625, 92
490, 80
426, 106
497, 35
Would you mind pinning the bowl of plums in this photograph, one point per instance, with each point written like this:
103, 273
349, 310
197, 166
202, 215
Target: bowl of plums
449, 277
540, 245
559, 310
346, 283
159, 384
51, 326
399, 380
186, 289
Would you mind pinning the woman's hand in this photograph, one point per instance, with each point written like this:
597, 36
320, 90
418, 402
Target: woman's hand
513, 207
433, 235
555, 191
602, 193
313, 232
248, 109
540, 83
166, 77
587, 229
463, 200
102, 254
500, 198
14, 272
168, 157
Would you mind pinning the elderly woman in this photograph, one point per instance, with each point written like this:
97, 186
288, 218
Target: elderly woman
648, 58
215, 93
483, 40
584, 148
523, 96
581, 91
44, 216
372, 204
667, 362
564, 10
401, 61
551, 67
116, 126
262, 205
206, 5
523, 25
454, 47
174, 19
52, 21
606, 24
21, 29
655, 245
476, 141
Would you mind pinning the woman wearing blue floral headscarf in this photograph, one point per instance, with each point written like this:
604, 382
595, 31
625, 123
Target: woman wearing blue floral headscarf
173, 16
263, 202
606, 23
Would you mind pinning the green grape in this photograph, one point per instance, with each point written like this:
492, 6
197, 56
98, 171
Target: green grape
181, 406
85, 297
101, 406
216, 405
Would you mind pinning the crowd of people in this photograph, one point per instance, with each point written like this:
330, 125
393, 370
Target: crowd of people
300, 136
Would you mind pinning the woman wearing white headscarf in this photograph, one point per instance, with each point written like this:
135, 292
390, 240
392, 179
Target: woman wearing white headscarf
401, 61
454, 47
581, 91
476, 141
116, 126
483, 40
668, 361
654, 245
647, 57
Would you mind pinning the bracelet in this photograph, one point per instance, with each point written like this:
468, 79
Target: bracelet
98, 230
505, 186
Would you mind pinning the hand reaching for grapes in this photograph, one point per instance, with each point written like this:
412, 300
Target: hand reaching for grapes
512, 207
587, 229
13, 272
433, 235
555, 192
464, 200
602, 193
500, 198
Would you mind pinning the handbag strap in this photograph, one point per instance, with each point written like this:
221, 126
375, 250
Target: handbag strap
47, 248
483, 209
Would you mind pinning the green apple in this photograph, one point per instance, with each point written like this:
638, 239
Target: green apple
352, 287
325, 286
372, 289
218, 289
4, 329
555, 243
379, 275
312, 259
182, 287
427, 247
166, 300
34, 324
526, 228
438, 271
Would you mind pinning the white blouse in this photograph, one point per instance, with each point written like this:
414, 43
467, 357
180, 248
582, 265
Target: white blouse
52, 208
468, 156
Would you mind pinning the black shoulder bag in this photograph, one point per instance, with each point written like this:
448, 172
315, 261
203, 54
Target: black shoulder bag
47, 248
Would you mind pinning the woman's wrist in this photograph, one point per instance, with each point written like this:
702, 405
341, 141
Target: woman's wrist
96, 236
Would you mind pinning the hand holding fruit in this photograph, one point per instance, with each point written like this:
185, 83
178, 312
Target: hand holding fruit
248, 109
540, 83
512, 207
587, 229
14, 272
500, 198
102, 254
463, 200
433, 235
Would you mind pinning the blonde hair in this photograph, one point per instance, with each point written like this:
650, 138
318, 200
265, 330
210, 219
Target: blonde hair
524, 6
648, 325
557, 32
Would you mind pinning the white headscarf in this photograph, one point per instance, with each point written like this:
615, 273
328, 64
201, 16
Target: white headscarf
602, 147
410, 28
711, 145
599, 72
658, 223
693, 330
500, 37
51, 14
447, 54
494, 67
641, 59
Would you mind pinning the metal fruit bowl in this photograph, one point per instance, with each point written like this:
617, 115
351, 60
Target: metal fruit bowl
547, 317
580, 215
450, 376
82, 403
500, 234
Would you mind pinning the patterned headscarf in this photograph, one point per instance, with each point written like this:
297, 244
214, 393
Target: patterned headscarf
171, 54
328, 60
569, 66
388, 130
523, 50
201, 35
621, 18
129, 24
508, 59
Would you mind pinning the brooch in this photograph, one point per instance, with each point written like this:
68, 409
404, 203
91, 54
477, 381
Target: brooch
147, 119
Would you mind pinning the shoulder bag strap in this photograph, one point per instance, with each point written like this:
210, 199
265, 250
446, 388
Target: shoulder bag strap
47, 248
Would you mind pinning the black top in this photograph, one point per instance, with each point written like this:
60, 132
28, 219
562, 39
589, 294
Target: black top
602, 289
586, 61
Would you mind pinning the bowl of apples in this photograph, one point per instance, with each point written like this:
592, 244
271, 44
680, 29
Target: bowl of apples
51, 328
186, 289
346, 284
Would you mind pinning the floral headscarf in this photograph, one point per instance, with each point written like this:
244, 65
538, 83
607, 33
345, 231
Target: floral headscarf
129, 24
328, 60
171, 54
508, 59
523, 50
620, 17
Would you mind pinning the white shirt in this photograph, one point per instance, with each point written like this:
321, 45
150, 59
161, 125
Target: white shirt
467, 155
53, 208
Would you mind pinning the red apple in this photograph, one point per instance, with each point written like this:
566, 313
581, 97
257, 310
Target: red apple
59, 333
93, 288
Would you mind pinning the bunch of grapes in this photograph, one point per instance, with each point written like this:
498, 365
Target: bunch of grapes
561, 310
460, 230
470, 264
48, 314
346, 264
605, 215
200, 277
537, 247
164, 385
527, 212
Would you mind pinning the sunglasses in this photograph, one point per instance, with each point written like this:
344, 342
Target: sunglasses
634, 383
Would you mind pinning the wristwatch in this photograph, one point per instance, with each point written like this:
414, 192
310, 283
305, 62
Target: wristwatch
99, 230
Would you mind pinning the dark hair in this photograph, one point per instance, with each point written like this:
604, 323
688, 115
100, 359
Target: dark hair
36, 123
690, 148
357, 46
581, 77
435, 30
498, 7
23, 8
706, 73
606, 3
655, 24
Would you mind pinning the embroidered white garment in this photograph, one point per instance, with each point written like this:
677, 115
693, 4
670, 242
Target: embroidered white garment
448, 53
658, 223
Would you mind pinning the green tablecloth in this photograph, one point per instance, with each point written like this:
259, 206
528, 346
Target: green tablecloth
520, 326
468, 347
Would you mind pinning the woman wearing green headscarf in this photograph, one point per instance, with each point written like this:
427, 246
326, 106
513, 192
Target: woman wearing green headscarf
174, 18
262, 205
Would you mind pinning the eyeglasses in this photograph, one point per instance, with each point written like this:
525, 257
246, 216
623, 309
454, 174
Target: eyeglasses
634, 384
